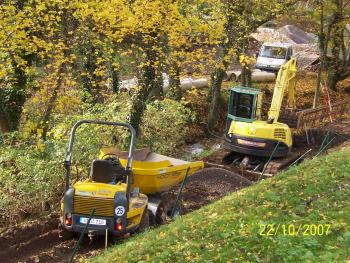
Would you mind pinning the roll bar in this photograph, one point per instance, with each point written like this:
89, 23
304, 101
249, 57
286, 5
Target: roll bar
128, 168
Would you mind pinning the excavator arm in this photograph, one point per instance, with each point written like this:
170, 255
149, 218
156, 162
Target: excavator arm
286, 80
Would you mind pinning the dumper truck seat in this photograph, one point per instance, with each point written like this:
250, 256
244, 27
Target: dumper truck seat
102, 171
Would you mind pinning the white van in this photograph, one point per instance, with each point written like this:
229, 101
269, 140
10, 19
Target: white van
273, 55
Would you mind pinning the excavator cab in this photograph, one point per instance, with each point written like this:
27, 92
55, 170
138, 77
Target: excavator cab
244, 105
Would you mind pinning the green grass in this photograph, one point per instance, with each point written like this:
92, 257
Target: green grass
228, 230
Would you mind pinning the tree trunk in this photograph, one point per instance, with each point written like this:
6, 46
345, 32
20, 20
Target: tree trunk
4, 124
175, 91
13, 98
332, 78
216, 81
246, 77
242, 76
138, 107
215, 91
88, 68
335, 68
115, 80
51, 105
61, 71
321, 40
150, 84
249, 78
155, 83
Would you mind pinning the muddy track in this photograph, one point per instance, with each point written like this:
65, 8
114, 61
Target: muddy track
209, 185
17, 244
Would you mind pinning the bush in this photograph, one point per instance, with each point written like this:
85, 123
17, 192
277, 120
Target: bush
165, 125
30, 180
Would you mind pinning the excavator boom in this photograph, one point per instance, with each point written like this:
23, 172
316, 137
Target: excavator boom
286, 79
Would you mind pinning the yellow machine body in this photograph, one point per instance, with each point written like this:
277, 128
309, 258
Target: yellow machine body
155, 173
246, 132
260, 129
151, 173
89, 194
103, 203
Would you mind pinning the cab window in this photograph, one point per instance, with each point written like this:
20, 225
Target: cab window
243, 105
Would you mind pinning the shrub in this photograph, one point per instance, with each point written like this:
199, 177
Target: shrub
165, 125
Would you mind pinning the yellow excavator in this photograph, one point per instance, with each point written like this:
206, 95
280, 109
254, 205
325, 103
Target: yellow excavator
251, 139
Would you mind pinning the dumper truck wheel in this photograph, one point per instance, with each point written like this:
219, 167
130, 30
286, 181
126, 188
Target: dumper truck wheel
166, 207
144, 224
64, 234
152, 218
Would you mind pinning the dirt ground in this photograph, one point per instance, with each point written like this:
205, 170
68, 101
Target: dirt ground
39, 241
209, 185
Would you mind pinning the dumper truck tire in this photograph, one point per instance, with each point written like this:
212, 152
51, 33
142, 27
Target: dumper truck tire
64, 234
152, 218
144, 224
165, 208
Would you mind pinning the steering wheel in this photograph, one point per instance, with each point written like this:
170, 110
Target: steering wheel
119, 169
111, 156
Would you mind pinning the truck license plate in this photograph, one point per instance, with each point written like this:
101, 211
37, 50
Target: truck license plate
93, 221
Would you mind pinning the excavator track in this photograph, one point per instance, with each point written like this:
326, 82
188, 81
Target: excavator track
249, 166
277, 165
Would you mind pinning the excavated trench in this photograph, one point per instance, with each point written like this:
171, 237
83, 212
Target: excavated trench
301, 144
40, 240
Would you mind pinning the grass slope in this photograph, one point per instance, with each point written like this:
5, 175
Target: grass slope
228, 230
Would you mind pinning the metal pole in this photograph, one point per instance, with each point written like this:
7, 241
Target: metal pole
324, 148
81, 236
307, 136
106, 239
270, 158
303, 155
324, 140
179, 194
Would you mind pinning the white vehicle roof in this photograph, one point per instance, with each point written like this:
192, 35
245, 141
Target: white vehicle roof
278, 44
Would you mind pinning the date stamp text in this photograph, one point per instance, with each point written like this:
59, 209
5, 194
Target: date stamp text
294, 230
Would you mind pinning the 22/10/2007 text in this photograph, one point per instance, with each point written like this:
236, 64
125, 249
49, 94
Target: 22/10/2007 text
294, 230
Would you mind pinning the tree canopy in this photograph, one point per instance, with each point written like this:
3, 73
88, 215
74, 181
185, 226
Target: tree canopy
56, 53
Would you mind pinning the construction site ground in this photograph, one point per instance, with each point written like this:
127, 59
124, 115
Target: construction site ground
38, 241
